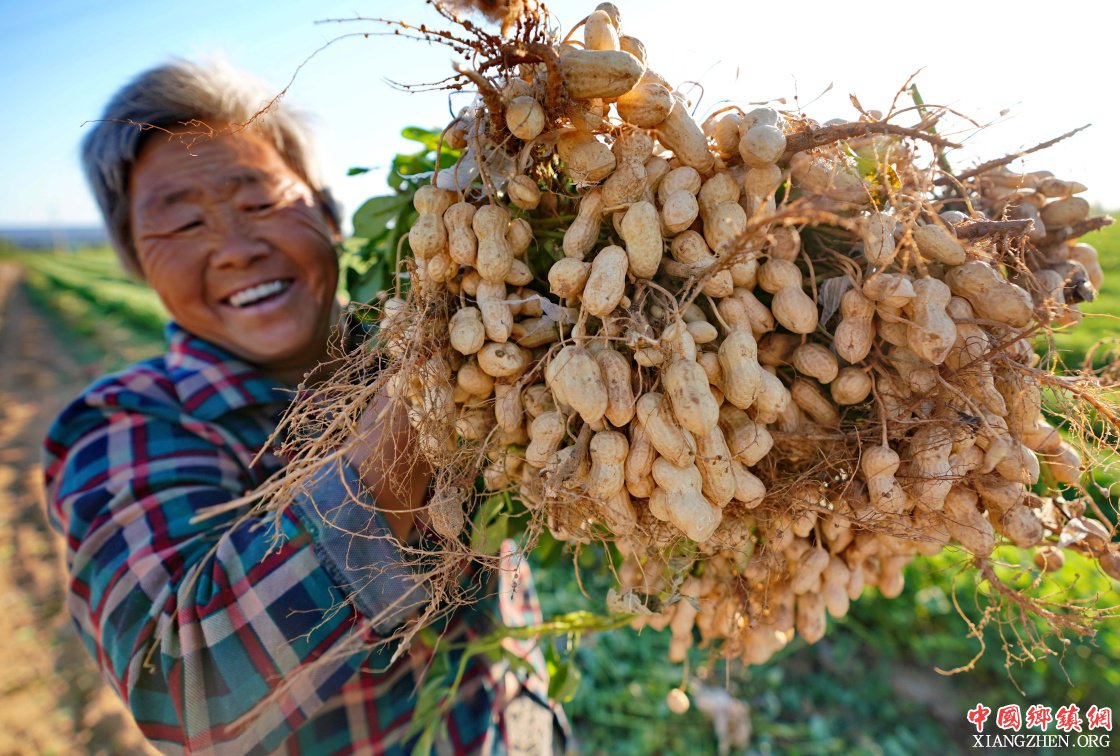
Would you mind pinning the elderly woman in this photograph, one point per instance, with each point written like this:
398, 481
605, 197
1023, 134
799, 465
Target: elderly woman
231, 634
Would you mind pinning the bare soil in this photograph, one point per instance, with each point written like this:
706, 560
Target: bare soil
52, 699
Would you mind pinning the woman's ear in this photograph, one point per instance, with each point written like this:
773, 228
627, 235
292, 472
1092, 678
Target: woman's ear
336, 232
330, 210
332, 225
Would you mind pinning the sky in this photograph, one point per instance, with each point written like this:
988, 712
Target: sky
1047, 67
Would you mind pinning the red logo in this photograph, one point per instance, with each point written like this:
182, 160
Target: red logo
1009, 717
1099, 718
1068, 719
1039, 716
979, 715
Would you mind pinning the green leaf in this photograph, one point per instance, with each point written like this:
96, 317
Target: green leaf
426, 742
426, 137
563, 675
372, 218
516, 663
404, 166
372, 283
549, 550
353, 279
432, 701
558, 678
357, 171
588, 559
565, 692
552, 660
491, 524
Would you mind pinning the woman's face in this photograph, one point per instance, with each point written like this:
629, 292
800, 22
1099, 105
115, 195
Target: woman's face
237, 248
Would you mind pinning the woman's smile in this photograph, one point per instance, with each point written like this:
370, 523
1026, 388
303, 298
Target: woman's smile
237, 248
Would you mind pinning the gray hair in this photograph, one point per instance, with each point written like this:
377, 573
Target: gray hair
169, 97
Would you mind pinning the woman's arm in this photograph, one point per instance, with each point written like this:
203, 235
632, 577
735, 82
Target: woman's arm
386, 456
195, 623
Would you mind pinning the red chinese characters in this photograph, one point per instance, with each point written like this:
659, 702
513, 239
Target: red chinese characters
1009, 717
1099, 718
1068, 718
1039, 716
979, 715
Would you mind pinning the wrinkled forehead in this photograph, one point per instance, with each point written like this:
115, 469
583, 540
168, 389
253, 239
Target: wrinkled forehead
172, 171
177, 191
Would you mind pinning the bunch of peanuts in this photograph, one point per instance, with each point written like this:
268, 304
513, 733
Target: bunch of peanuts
728, 341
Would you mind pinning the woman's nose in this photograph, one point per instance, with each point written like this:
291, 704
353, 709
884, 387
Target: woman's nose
238, 245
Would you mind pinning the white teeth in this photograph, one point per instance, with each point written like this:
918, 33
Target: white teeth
257, 293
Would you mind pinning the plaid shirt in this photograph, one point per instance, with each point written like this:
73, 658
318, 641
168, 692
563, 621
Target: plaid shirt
196, 623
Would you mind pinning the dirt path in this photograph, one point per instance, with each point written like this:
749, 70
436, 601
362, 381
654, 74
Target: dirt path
51, 697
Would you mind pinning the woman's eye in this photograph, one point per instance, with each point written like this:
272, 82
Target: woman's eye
261, 207
189, 226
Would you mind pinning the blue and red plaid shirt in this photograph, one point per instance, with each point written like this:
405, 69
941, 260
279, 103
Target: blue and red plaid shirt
195, 624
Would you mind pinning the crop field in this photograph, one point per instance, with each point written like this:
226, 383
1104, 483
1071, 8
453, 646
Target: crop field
96, 277
111, 319
1101, 326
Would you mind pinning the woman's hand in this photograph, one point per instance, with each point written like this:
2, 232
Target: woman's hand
387, 458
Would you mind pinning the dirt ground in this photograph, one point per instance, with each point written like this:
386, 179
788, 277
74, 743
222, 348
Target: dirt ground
52, 699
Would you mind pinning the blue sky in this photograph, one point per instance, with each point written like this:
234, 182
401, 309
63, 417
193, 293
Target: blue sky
61, 59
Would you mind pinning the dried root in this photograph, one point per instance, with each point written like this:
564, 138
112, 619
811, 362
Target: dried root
758, 353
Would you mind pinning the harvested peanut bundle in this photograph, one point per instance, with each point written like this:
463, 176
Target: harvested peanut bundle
782, 348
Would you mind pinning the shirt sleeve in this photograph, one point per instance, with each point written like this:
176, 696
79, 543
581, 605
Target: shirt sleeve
196, 623
350, 535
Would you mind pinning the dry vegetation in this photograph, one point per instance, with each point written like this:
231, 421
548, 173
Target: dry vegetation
772, 360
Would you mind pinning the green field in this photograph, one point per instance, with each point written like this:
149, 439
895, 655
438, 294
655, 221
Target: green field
97, 277
1101, 325
107, 318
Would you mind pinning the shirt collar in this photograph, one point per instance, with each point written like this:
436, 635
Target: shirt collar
210, 382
